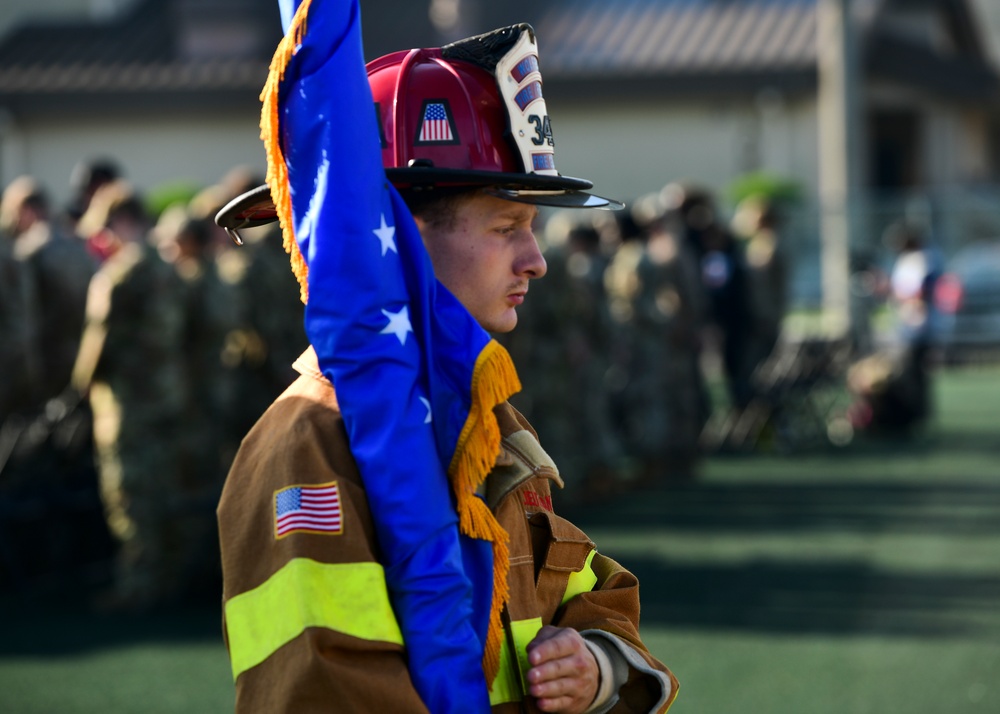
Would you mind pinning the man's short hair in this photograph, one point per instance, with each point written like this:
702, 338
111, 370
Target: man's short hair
438, 206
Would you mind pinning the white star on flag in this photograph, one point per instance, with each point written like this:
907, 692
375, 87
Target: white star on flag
399, 324
427, 404
386, 235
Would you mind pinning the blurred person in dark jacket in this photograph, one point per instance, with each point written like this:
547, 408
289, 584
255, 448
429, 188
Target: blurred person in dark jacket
756, 224
723, 277
60, 270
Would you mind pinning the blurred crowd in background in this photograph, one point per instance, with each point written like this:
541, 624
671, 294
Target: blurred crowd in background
612, 340
139, 345
136, 350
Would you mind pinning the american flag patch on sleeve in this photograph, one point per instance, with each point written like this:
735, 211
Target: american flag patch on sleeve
308, 509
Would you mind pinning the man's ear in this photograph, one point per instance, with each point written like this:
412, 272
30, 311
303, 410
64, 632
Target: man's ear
424, 227
421, 224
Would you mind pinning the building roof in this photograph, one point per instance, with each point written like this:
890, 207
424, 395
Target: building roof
646, 37
217, 50
681, 46
740, 46
160, 50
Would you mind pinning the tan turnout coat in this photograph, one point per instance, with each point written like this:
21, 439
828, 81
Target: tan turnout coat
301, 440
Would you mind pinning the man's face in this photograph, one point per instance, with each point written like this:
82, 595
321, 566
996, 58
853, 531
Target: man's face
486, 256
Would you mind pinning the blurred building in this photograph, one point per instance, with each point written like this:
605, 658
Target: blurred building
641, 91
989, 13
168, 88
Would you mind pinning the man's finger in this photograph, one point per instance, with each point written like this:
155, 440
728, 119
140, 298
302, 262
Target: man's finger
551, 670
557, 704
550, 643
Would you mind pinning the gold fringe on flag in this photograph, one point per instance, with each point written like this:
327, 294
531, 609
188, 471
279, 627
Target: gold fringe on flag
494, 377
494, 380
270, 134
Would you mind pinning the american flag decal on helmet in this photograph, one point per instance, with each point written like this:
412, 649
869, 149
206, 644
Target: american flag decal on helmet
436, 124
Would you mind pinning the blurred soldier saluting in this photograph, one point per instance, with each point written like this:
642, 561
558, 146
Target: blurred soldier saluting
129, 362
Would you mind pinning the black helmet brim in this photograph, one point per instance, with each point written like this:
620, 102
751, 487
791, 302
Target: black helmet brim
248, 210
256, 208
542, 190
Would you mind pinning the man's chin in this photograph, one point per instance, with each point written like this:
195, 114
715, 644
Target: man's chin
502, 324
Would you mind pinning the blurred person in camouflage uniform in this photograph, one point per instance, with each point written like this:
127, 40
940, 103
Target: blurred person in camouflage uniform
622, 380
19, 362
268, 335
60, 270
563, 349
130, 364
46, 451
682, 296
20, 373
210, 312
84, 180
657, 306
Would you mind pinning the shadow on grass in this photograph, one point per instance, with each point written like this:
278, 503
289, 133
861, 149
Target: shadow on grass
54, 628
806, 597
980, 440
933, 441
959, 509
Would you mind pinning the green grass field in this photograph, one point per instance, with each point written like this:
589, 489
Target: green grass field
865, 579
853, 580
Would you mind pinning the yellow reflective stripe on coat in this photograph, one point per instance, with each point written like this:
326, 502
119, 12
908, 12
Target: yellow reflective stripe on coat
347, 597
581, 581
506, 687
511, 682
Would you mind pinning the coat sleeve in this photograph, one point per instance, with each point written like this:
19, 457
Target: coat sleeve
307, 619
575, 586
608, 614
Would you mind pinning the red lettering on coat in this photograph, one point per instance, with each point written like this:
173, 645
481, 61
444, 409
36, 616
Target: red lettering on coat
530, 498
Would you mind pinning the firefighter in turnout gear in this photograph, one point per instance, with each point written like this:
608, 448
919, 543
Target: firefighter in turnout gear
388, 529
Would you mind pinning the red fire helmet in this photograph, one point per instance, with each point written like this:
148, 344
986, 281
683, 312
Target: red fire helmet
467, 114
472, 114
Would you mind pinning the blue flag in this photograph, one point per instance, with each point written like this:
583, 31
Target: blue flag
416, 376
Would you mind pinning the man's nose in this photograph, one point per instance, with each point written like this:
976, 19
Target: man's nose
531, 262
